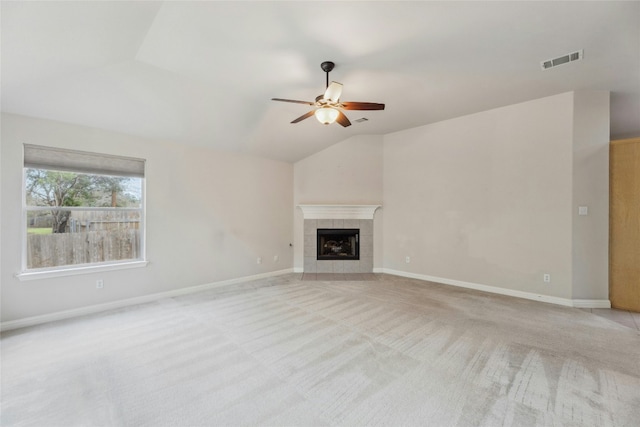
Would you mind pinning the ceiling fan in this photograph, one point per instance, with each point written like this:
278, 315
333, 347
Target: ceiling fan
328, 107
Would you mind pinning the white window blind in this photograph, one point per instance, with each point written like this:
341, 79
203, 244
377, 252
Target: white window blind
39, 157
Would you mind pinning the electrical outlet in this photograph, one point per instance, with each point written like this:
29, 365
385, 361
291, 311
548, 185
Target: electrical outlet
275, 258
407, 259
546, 278
99, 284
259, 260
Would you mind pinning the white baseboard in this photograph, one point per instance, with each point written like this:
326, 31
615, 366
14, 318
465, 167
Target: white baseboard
577, 303
591, 303
301, 270
67, 314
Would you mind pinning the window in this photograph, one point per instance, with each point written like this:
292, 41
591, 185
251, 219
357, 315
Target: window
81, 209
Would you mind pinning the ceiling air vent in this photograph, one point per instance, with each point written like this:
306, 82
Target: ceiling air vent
363, 119
565, 59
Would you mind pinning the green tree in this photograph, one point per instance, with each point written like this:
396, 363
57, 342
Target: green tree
58, 189
110, 186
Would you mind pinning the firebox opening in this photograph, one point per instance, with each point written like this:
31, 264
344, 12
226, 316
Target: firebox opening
338, 244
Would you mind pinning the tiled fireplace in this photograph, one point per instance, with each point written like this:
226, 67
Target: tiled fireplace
342, 225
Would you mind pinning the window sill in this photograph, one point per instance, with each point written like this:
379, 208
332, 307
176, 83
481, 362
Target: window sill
72, 271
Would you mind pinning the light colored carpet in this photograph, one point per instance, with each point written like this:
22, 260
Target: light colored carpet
286, 352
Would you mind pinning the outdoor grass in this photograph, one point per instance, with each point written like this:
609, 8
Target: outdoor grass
45, 230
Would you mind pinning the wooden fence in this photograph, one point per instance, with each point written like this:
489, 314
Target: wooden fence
53, 250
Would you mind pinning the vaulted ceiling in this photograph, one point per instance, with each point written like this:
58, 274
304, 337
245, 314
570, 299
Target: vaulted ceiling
203, 73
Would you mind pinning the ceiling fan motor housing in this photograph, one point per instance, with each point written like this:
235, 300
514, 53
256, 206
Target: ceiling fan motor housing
327, 66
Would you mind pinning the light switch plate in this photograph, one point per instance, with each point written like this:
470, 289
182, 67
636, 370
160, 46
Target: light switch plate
583, 210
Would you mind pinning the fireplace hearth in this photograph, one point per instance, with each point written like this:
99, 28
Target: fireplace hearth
338, 244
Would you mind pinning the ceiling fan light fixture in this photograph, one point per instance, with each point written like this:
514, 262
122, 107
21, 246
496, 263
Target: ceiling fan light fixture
333, 92
327, 115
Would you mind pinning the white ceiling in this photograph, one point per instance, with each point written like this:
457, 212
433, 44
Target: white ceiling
203, 73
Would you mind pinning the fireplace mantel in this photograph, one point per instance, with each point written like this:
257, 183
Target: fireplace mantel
338, 211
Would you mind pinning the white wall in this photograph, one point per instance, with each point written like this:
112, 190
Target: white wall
591, 189
486, 198
349, 172
209, 216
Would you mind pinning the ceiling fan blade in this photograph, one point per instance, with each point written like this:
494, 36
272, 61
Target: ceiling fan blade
304, 116
362, 106
293, 100
333, 92
343, 120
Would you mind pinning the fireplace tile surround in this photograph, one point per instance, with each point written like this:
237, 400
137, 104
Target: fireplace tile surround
338, 217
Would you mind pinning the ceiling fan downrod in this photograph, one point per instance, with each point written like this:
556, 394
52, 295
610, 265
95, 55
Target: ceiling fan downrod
327, 66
